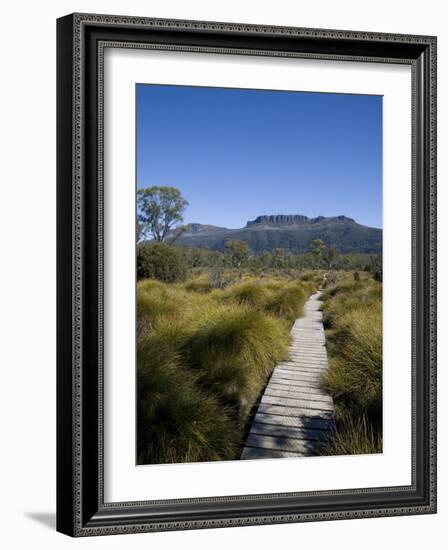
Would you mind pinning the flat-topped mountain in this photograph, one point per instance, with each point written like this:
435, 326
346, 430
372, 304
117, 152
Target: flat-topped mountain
293, 232
295, 219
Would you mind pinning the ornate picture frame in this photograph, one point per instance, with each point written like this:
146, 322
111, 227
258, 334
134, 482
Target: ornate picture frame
81, 507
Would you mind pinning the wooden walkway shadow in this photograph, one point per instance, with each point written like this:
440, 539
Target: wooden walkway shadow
295, 416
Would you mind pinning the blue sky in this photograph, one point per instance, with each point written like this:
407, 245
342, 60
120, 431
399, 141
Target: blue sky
236, 154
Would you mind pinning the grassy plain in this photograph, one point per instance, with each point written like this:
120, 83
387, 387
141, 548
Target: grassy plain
207, 346
205, 351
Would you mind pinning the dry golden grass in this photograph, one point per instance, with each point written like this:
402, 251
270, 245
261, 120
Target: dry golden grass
204, 356
352, 313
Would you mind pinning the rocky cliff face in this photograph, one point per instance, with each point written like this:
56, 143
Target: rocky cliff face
280, 220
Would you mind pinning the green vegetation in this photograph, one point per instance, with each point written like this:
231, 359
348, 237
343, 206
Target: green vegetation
281, 259
214, 313
211, 327
160, 212
204, 355
176, 422
238, 252
288, 301
212, 324
352, 313
233, 349
160, 261
344, 236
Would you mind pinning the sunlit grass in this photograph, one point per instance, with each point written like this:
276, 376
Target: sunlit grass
355, 436
204, 357
234, 349
352, 313
176, 420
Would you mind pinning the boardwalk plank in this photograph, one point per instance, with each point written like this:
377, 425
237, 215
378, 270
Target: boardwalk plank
279, 443
295, 421
294, 411
280, 379
311, 390
288, 394
261, 428
251, 453
295, 416
313, 369
290, 375
296, 402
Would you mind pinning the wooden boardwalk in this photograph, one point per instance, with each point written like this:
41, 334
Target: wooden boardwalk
295, 416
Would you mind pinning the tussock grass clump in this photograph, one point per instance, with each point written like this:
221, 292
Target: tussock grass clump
249, 293
352, 312
162, 303
158, 301
315, 277
277, 297
233, 349
176, 421
355, 377
201, 284
310, 287
342, 289
336, 309
355, 437
287, 302
346, 296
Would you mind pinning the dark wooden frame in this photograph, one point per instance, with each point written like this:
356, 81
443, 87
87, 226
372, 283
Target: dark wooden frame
81, 510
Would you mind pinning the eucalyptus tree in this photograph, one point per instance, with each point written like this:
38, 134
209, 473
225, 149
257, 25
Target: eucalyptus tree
160, 213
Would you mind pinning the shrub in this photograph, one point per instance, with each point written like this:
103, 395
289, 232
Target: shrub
216, 278
308, 276
330, 278
160, 261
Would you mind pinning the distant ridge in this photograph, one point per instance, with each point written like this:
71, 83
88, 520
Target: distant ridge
295, 219
293, 232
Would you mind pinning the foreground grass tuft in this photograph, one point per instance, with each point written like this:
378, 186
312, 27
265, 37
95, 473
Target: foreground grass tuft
352, 314
234, 349
355, 436
249, 293
176, 421
356, 375
288, 302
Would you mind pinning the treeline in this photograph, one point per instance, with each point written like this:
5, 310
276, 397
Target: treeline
281, 258
171, 263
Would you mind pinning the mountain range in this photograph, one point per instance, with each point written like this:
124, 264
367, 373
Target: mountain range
291, 232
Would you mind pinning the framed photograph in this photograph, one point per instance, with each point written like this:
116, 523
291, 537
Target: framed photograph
246, 274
